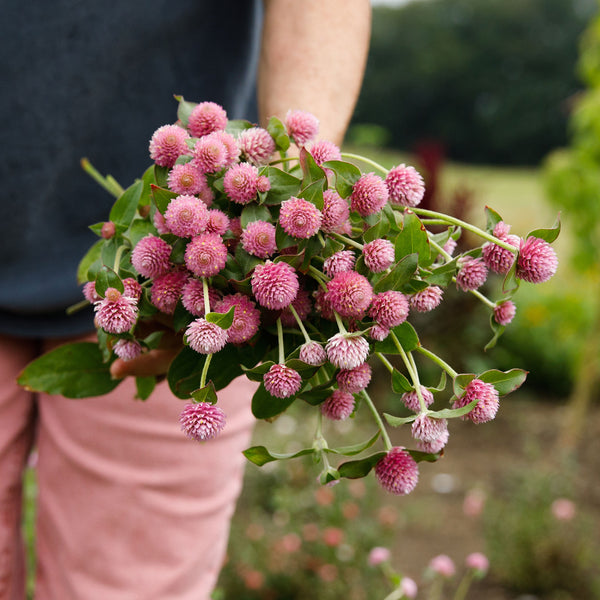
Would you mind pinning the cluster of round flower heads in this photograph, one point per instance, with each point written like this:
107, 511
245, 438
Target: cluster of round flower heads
225, 243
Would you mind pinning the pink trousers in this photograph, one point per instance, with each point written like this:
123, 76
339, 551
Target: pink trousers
128, 507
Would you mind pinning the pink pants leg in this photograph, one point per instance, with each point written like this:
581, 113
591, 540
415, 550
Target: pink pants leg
129, 508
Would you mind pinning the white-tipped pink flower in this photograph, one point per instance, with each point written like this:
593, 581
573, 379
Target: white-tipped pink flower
274, 285
257, 145
299, 218
389, 309
312, 353
471, 274
397, 472
127, 349
354, 380
504, 312
241, 183
411, 399
301, 126
167, 144
187, 180
369, 195
322, 151
202, 421
379, 255
349, 294
405, 185
218, 222
186, 216
427, 299
258, 239
428, 429
335, 212
166, 291
115, 313
497, 258
282, 381
339, 262
151, 256
89, 292
206, 255
210, 154
207, 117
205, 337
537, 261
192, 297
378, 332
338, 406
347, 351
487, 405
246, 317
132, 288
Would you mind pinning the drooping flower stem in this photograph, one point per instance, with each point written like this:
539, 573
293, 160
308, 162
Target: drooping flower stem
384, 434
205, 370
300, 324
206, 296
412, 370
366, 160
117, 260
319, 277
108, 182
436, 359
347, 240
340, 323
280, 342
386, 363
463, 586
435, 245
481, 297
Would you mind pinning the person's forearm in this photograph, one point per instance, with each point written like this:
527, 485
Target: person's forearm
312, 58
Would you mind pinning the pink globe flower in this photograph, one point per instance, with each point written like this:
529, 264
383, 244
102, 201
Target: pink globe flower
301, 126
205, 118
409, 587
350, 294
346, 350
450, 246
151, 256
186, 216
207, 196
299, 218
282, 382
406, 186
206, 255
257, 145
89, 292
496, 258
246, 317
108, 230
442, 565
378, 332
389, 309
322, 151
258, 239
335, 212
301, 304
166, 291
478, 562
312, 353
537, 261
427, 299
369, 195
563, 509
241, 183
338, 406
379, 255
186, 180
127, 349
205, 337
434, 446
472, 273
192, 297
115, 313
132, 288
354, 380
231, 145
504, 312
428, 429
274, 285
322, 305
339, 262
378, 555
487, 405
397, 472
167, 144
202, 421
159, 223
218, 222
210, 154
411, 399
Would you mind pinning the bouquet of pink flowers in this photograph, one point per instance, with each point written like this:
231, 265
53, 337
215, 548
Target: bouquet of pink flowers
296, 269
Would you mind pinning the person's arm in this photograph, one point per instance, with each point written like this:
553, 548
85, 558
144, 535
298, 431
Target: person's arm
312, 58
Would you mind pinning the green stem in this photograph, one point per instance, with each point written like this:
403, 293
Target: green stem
366, 160
388, 365
347, 240
340, 323
280, 342
300, 324
384, 434
395, 595
436, 359
205, 370
117, 260
206, 296
110, 185
463, 587
439, 248
412, 371
77, 307
481, 297
320, 278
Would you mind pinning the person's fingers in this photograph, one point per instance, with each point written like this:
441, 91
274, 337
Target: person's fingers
155, 362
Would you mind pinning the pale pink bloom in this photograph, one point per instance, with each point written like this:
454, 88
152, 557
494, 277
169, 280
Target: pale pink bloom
241, 183
337, 263
397, 472
378, 332
350, 294
433, 446
487, 405
478, 562
210, 154
406, 186
322, 151
218, 222
499, 259
151, 256
231, 145
471, 274
450, 246
338, 406
192, 297
333, 536
504, 312
335, 212
312, 353
369, 195
411, 399
302, 305
301, 126
281, 381
186, 216
206, 255
275, 285
379, 255
428, 429
354, 380
159, 223
537, 261
409, 587
442, 565
474, 502
263, 184
378, 555
257, 145
166, 291
258, 239
389, 309
299, 218
202, 421
563, 509
205, 337
186, 180
89, 292
132, 288
427, 299
207, 196
347, 351
115, 313
207, 117
127, 349
246, 317
322, 305
167, 144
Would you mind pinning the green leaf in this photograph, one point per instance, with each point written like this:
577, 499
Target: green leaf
279, 134
283, 186
419, 456
313, 193
401, 274
139, 229
346, 175
312, 173
451, 413
206, 394
246, 261
223, 320
548, 235
144, 387
125, 207
497, 330
254, 212
442, 276
184, 110
260, 456
398, 421
355, 469
107, 278
72, 370
406, 336
413, 239
511, 283
378, 231
492, 219
90, 257
153, 340
236, 126
317, 396
400, 384
265, 406
505, 382
161, 197
460, 383
181, 317
354, 449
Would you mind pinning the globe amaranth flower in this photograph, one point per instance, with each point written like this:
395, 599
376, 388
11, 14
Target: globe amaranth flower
409, 587
346, 350
186, 180
322, 305
378, 555
405, 185
205, 337
132, 288
339, 262
433, 446
299, 218
411, 399
186, 216
207, 117
312, 353
274, 285
335, 212
151, 256
192, 297
282, 381
115, 313
241, 183
487, 405
301, 304
478, 562
257, 145
258, 239
322, 151
202, 421
389, 309
166, 291
108, 230
246, 317
210, 154
537, 260
496, 258
338, 406
427, 299
206, 255
354, 380
378, 332
369, 195
218, 222
471, 274
231, 145
301, 126
504, 312
379, 255
89, 292
397, 472
160, 223
127, 349
442, 565
350, 294
167, 144
428, 429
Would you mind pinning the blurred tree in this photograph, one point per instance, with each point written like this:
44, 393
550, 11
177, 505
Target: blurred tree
490, 79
